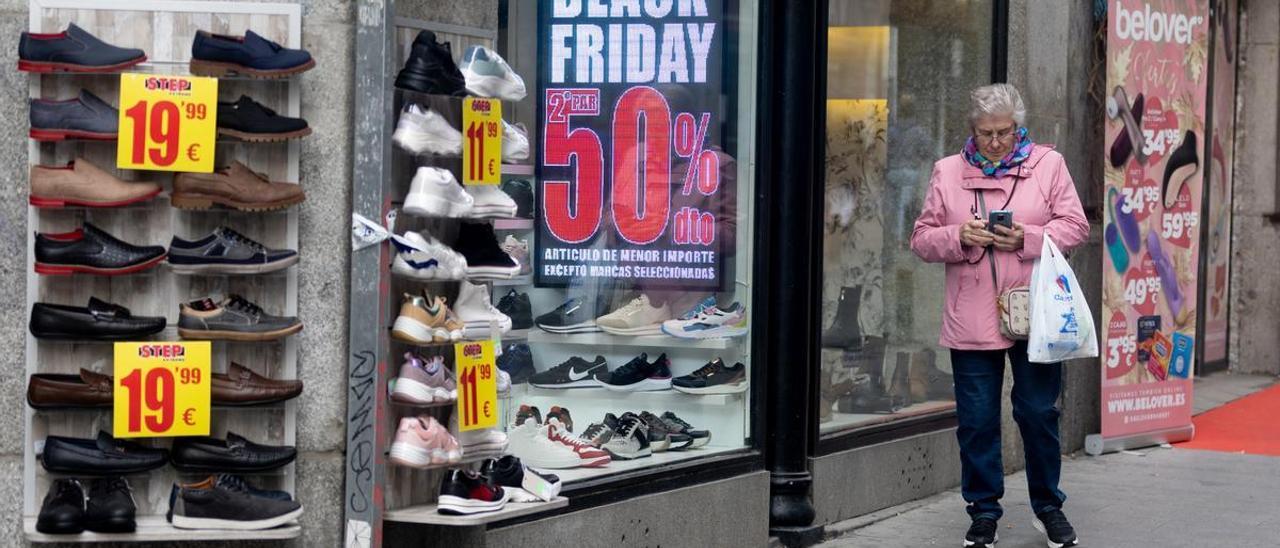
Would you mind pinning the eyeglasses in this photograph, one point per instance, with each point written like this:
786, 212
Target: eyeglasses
1004, 135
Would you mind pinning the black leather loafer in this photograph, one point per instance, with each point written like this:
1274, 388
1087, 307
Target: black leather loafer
100, 321
234, 454
90, 250
104, 456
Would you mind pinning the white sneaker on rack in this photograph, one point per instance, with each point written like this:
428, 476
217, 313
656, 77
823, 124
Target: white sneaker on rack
477, 313
427, 259
435, 192
478, 443
515, 142
531, 442
491, 201
421, 131
487, 74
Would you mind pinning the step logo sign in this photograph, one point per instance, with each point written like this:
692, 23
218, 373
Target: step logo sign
636, 178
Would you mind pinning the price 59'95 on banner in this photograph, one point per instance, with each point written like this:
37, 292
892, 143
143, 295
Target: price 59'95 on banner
161, 389
477, 385
167, 123
481, 141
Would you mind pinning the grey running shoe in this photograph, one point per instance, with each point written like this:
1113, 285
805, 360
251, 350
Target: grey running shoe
233, 319
226, 251
85, 117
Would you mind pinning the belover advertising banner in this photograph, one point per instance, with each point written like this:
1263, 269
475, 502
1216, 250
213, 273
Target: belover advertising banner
635, 181
1157, 72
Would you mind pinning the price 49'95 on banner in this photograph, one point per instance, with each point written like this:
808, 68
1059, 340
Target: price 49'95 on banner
161, 389
167, 123
477, 385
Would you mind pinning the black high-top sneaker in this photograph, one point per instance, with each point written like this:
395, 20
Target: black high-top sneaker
430, 68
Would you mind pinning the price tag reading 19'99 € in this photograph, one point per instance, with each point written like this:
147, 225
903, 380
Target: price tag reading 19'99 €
477, 385
481, 141
161, 389
167, 123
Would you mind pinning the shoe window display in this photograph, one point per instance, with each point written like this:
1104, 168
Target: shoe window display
91, 220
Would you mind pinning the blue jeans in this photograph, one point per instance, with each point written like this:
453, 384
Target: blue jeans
979, 375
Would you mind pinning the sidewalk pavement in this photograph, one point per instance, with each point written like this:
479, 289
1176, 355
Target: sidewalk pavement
1171, 498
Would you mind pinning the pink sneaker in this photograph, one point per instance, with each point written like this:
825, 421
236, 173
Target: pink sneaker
422, 441
424, 382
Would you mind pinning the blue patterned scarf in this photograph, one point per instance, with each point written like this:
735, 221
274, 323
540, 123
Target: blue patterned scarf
1021, 151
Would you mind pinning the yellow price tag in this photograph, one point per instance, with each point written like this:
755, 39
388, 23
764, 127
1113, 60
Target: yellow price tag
482, 141
477, 385
161, 389
167, 123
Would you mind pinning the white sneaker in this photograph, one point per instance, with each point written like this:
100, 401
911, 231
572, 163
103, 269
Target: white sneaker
637, 317
427, 259
531, 442
434, 192
488, 75
421, 131
730, 321
515, 142
478, 443
518, 250
477, 314
491, 201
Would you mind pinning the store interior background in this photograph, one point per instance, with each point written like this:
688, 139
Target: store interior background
1061, 108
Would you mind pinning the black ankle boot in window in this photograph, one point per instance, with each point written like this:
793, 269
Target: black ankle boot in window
845, 332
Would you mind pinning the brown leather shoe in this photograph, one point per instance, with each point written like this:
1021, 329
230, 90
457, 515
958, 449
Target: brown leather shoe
235, 186
241, 386
83, 184
52, 391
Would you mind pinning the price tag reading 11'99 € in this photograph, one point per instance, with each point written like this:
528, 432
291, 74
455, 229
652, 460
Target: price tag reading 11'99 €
161, 389
477, 385
167, 123
481, 141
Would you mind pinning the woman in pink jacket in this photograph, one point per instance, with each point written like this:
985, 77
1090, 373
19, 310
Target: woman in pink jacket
999, 168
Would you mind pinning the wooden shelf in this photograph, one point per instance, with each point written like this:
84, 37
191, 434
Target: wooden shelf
428, 514
643, 341
156, 529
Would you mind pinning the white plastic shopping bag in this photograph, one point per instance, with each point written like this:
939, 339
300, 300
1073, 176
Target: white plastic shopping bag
1061, 322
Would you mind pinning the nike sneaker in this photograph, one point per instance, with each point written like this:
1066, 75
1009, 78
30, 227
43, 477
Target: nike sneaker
630, 440
425, 258
676, 424
421, 130
561, 416
712, 323
488, 75
713, 378
463, 492
638, 317
589, 456
574, 316
639, 375
532, 442
573, 373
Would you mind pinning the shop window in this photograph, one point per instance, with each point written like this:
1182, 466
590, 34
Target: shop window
898, 78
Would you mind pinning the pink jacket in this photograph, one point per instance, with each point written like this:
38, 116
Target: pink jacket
1045, 203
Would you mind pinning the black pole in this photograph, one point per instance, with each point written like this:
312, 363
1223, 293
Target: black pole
1000, 41
793, 58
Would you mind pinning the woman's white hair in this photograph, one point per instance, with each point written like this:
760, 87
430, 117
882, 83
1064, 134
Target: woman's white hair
997, 100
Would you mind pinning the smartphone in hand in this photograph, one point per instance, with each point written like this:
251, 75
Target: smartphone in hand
999, 217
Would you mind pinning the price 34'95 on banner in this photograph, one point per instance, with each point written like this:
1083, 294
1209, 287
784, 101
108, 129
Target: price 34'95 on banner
477, 385
161, 389
167, 123
481, 141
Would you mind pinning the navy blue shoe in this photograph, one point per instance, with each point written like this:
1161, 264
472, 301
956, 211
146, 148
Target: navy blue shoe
517, 361
252, 55
226, 251
73, 50
85, 117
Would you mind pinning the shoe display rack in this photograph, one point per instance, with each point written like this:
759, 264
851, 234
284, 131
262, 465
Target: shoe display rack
165, 30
